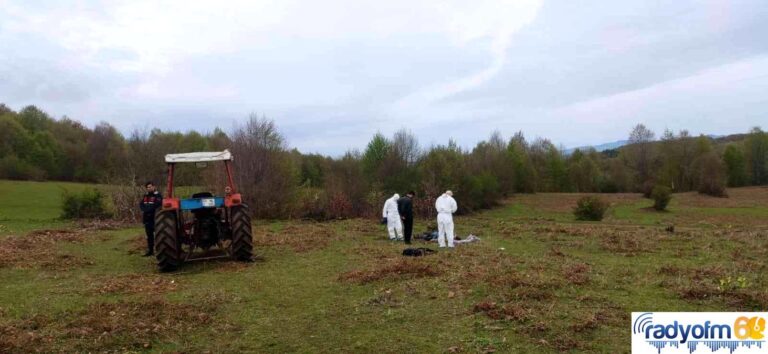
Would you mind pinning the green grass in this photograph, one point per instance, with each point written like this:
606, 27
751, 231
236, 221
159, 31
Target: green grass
303, 293
26, 206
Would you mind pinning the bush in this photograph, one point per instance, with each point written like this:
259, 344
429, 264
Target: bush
89, 204
590, 208
647, 188
661, 196
712, 177
481, 192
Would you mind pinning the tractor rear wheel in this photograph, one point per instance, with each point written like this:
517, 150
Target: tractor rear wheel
241, 247
167, 245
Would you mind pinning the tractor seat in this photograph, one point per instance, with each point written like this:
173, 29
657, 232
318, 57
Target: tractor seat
202, 195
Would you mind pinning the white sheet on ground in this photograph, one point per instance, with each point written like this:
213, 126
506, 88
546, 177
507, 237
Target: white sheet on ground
471, 238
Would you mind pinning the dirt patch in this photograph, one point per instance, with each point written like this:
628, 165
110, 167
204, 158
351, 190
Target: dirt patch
400, 269
133, 284
508, 312
576, 273
628, 243
38, 249
118, 327
300, 238
715, 283
137, 244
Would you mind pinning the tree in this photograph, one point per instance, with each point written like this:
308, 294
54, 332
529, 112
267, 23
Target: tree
374, 157
263, 168
736, 166
639, 153
525, 179
583, 171
405, 146
490, 157
33, 119
549, 163
617, 177
106, 152
756, 148
442, 167
346, 187
711, 175
71, 137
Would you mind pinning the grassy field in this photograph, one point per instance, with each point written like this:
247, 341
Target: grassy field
26, 206
538, 281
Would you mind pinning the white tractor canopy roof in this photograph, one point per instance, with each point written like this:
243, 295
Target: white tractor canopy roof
199, 157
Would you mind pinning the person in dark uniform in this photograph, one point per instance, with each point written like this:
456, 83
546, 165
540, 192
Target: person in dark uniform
151, 202
405, 208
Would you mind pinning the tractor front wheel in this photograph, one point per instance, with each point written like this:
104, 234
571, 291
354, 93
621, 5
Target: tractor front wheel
241, 247
167, 245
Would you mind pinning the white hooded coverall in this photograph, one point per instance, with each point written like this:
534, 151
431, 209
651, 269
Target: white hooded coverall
445, 206
394, 225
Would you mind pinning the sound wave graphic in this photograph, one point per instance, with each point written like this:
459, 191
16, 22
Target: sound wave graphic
641, 322
714, 345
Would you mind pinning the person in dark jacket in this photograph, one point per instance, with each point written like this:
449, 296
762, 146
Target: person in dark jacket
150, 203
405, 208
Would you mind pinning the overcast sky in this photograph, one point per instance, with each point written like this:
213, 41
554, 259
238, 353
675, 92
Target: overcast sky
332, 73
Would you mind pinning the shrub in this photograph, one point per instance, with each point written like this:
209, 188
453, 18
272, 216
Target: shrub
481, 191
712, 177
590, 208
340, 207
661, 196
647, 188
123, 195
84, 205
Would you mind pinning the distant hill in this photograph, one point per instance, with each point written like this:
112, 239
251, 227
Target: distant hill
599, 148
620, 143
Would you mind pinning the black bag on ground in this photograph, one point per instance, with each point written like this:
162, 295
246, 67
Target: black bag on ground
417, 252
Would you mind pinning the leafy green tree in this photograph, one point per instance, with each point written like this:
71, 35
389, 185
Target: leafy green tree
33, 119
491, 157
374, 157
442, 168
756, 148
736, 165
71, 138
106, 151
525, 179
583, 170
14, 138
550, 166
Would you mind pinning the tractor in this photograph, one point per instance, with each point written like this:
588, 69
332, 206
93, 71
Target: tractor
203, 221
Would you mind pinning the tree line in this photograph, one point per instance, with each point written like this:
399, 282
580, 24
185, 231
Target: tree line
278, 181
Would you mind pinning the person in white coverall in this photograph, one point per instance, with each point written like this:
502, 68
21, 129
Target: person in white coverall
394, 225
445, 206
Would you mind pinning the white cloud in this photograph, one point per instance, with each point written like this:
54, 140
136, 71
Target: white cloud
723, 99
486, 20
334, 72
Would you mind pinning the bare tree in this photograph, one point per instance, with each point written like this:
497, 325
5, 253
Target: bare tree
640, 152
405, 145
264, 170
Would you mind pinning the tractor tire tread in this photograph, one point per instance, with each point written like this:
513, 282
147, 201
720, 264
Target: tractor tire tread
242, 235
167, 249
